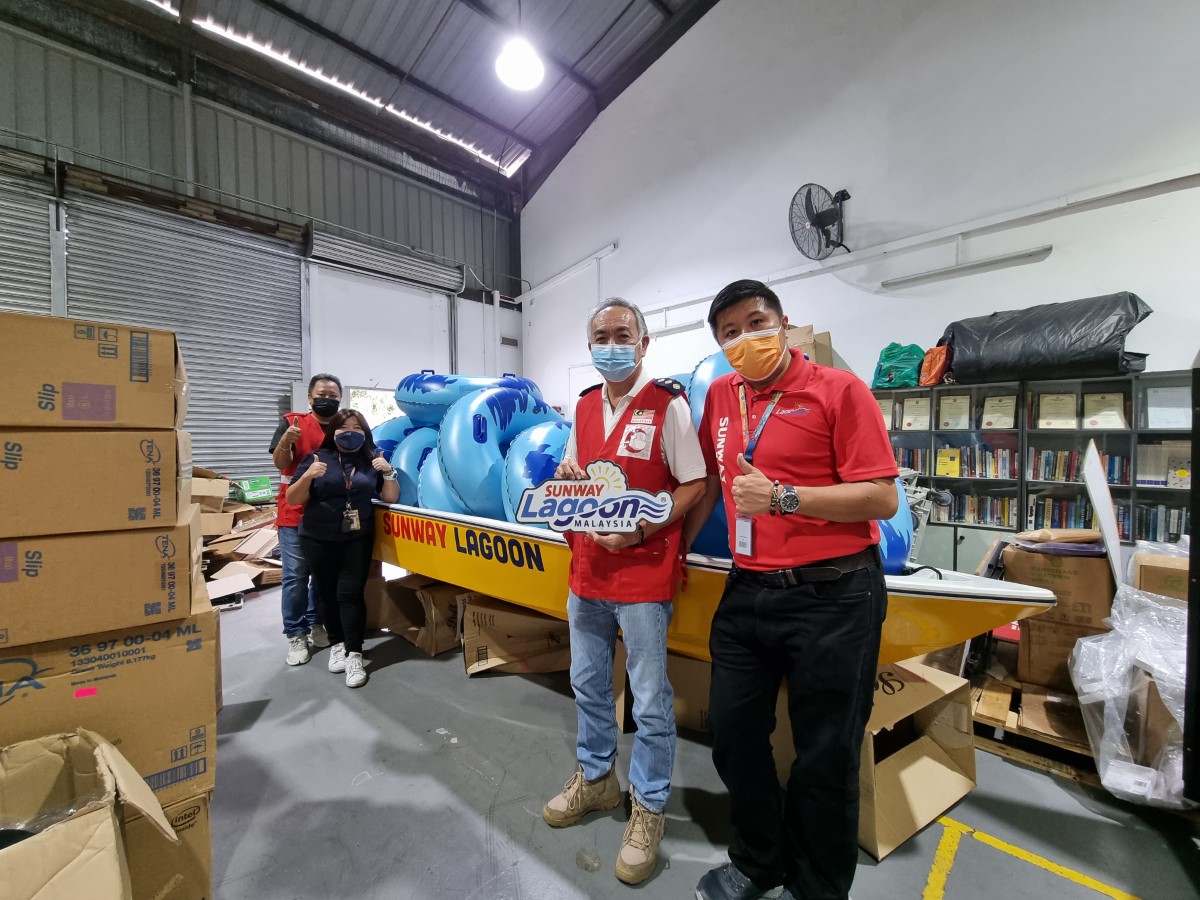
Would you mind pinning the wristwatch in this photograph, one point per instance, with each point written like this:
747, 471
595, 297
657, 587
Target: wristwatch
390, 476
789, 501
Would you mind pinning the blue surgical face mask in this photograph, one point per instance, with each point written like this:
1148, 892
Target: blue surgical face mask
349, 441
615, 362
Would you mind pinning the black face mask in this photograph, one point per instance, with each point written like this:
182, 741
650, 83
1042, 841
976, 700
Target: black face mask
325, 406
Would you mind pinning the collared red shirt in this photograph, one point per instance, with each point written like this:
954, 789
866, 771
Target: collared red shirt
825, 430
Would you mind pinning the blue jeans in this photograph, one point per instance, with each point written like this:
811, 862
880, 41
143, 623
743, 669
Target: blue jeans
299, 596
594, 625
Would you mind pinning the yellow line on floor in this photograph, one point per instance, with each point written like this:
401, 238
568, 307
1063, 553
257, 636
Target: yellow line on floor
943, 860
959, 829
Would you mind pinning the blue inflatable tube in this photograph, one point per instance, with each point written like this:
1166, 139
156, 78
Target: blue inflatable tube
432, 490
713, 539
532, 458
408, 458
896, 536
476, 433
426, 396
389, 434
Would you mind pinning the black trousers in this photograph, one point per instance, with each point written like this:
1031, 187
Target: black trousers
824, 639
339, 570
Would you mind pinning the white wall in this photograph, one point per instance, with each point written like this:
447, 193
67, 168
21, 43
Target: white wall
476, 340
933, 113
371, 332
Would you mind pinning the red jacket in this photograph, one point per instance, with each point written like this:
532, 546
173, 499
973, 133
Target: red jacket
647, 572
312, 435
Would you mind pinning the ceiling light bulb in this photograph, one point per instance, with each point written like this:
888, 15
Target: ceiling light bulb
518, 65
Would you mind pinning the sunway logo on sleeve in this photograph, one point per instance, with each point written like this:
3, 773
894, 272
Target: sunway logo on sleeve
17, 676
601, 502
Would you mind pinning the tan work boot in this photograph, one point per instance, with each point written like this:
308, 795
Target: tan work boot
581, 797
639, 847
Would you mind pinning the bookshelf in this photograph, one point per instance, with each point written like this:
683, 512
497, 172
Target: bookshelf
1011, 455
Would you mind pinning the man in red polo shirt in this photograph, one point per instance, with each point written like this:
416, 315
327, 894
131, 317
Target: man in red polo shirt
801, 458
296, 438
626, 581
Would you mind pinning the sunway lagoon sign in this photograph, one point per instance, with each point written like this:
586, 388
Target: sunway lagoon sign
601, 502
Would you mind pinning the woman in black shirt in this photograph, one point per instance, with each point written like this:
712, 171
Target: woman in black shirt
337, 533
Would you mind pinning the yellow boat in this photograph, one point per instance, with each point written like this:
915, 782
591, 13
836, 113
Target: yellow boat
927, 609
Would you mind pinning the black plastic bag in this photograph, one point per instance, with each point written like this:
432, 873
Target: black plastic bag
1077, 339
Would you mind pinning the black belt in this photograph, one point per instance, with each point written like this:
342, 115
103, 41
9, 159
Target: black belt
824, 570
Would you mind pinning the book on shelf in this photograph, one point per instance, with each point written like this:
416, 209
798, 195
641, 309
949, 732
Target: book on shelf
1060, 512
973, 509
1154, 464
1169, 407
886, 407
985, 461
1179, 470
1067, 465
1104, 411
999, 412
949, 462
1057, 411
1161, 523
954, 412
916, 459
915, 414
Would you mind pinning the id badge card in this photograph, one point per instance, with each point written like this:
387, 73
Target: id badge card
350, 521
743, 534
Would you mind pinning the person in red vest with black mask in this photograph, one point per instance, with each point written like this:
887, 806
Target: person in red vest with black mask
626, 581
297, 438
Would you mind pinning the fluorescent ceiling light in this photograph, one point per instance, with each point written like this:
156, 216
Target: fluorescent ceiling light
165, 6
516, 157
678, 329
519, 66
990, 264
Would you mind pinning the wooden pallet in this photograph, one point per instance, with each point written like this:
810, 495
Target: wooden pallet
1035, 726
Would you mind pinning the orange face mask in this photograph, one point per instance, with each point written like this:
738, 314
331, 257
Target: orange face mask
756, 354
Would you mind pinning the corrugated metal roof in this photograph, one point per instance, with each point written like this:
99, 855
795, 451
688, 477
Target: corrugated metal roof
448, 48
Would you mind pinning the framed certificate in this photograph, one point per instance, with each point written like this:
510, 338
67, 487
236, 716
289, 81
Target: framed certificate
999, 412
1057, 411
916, 414
886, 407
1104, 411
954, 412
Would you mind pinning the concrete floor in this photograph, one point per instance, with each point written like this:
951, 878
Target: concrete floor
424, 784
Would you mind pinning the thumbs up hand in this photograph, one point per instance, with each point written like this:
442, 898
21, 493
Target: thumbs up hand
751, 490
316, 470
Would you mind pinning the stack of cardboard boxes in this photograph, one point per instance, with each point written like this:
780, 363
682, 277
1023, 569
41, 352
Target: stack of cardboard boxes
104, 620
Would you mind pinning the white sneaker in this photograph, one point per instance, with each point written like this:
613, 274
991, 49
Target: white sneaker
356, 675
318, 637
297, 650
337, 658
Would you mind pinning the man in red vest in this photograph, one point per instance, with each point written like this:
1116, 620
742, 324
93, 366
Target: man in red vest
626, 581
296, 438
800, 455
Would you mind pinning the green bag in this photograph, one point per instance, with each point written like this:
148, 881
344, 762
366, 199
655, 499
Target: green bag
899, 366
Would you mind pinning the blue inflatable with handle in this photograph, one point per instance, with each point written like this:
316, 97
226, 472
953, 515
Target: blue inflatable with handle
433, 492
408, 458
426, 396
476, 432
533, 456
389, 434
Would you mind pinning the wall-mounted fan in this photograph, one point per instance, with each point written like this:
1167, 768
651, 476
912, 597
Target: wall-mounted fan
816, 220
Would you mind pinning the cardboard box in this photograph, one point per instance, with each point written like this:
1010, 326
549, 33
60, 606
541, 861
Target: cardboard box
420, 609
162, 870
71, 373
253, 490
818, 347
68, 482
80, 856
1083, 585
209, 493
263, 573
1045, 649
216, 524
62, 585
223, 591
501, 637
150, 690
258, 544
918, 755
1163, 575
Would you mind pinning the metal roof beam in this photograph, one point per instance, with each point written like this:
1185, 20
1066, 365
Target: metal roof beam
350, 47
662, 7
478, 7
